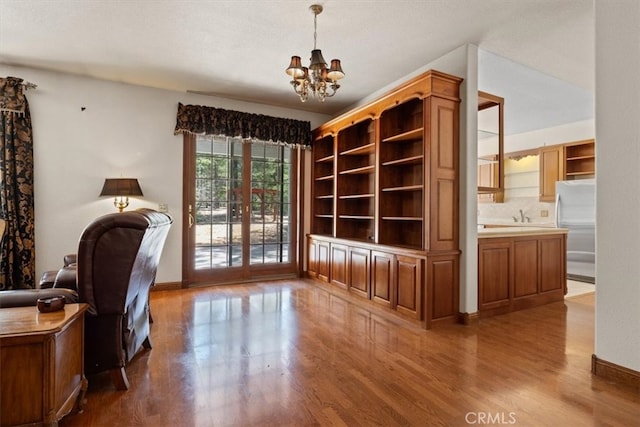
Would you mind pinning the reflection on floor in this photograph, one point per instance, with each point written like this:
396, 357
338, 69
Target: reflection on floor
289, 353
579, 288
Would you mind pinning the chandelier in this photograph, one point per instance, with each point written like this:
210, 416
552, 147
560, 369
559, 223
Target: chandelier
321, 81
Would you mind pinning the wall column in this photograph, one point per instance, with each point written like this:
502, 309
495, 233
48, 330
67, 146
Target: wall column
617, 48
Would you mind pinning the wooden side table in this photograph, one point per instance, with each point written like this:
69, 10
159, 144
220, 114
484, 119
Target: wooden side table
42, 359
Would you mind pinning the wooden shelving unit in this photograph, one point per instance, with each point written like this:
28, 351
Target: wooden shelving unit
323, 186
356, 178
580, 159
389, 170
402, 174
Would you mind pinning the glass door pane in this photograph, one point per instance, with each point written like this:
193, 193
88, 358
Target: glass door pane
270, 204
218, 203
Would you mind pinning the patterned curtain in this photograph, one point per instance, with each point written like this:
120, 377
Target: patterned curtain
212, 121
17, 249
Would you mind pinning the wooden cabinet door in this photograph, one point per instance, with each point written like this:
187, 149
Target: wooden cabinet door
551, 170
553, 274
359, 271
442, 287
312, 258
525, 275
339, 267
382, 277
323, 260
409, 285
494, 276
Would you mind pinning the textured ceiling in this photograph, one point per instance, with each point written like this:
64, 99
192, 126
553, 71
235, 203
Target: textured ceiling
240, 49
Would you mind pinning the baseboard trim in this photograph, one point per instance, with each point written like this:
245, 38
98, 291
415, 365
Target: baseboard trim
469, 319
166, 286
614, 373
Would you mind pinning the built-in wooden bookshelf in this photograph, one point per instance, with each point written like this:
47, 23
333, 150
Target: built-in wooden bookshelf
385, 194
356, 181
402, 175
323, 185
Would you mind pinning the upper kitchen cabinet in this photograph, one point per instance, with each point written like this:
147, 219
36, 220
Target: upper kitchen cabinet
551, 170
490, 148
572, 160
580, 159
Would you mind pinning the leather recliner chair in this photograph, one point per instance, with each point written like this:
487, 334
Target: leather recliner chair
118, 256
116, 264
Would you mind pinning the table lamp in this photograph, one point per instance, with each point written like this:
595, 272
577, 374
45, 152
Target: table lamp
121, 189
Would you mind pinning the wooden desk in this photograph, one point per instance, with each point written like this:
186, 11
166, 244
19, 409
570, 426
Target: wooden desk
42, 359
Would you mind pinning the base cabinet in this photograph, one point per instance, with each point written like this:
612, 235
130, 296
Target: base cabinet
382, 274
412, 284
398, 283
515, 273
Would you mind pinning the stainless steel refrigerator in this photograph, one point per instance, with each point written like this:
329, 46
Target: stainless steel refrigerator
576, 210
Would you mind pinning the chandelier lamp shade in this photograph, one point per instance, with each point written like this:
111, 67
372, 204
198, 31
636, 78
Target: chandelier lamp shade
317, 79
121, 189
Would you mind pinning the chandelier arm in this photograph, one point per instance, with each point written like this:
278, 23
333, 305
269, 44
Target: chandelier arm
334, 89
301, 89
297, 87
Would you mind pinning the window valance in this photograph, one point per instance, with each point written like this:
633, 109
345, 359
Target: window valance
12, 98
213, 121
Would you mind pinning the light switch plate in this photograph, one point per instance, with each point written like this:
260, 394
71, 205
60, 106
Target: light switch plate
163, 207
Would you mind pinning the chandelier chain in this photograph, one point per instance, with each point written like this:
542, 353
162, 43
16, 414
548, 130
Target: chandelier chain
315, 30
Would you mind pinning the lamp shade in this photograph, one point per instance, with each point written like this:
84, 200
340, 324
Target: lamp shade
317, 61
335, 72
295, 67
121, 187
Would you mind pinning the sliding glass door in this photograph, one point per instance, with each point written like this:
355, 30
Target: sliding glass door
239, 209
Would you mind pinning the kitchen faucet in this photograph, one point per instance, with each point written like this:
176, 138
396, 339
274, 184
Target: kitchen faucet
523, 218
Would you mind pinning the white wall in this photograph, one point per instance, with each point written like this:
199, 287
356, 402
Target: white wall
617, 329
575, 131
123, 131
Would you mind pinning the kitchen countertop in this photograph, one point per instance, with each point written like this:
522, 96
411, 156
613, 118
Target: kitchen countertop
518, 231
510, 223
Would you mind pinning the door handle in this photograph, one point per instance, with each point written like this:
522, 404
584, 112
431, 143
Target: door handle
190, 217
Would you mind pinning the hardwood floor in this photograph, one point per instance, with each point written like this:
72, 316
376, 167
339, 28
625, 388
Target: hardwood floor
288, 353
